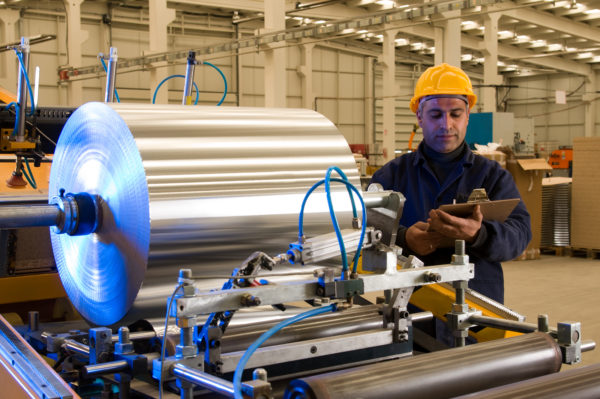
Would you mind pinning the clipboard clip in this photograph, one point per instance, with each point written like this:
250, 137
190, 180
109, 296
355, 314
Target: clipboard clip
478, 195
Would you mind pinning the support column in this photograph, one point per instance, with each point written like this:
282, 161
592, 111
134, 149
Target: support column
306, 74
369, 94
75, 38
275, 58
589, 122
448, 42
438, 40
388, 60
8, 59
160, 18
490, 66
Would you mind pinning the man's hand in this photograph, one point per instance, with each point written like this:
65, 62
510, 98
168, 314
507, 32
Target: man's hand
421, 240
456, 227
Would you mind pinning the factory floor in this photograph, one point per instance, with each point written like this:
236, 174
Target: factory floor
566, 288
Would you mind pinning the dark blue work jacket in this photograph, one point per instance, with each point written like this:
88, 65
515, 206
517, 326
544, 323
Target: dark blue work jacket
496, 242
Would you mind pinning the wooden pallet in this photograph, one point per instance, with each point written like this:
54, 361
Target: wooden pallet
557, 251
589, 253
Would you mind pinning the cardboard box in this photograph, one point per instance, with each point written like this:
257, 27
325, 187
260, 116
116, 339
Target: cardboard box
528, 175
585, 195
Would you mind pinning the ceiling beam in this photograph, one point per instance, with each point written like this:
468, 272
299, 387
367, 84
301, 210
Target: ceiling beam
507, 51
547, 20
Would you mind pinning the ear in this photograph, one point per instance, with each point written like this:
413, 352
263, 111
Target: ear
419, 117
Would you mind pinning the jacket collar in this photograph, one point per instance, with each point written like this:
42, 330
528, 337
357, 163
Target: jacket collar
467, 159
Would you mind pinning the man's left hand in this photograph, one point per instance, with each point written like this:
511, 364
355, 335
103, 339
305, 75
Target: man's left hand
456, 227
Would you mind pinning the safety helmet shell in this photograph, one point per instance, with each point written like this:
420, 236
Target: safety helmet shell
443, 79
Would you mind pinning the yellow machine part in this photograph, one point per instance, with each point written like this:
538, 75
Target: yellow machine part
8, 145
34, 287
439, 299
7, 96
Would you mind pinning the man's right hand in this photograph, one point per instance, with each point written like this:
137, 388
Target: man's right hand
420, 240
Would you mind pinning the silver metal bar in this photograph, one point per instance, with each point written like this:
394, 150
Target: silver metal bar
28, 369
202, 379
22, 89
76, 347
276, 354
189, 78
376, 199
509, 325
222, 300
587, 346
135, 336
111, 73
95, 370
15, 216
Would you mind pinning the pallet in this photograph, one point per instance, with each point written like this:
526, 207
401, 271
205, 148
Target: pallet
557, 251
589, 253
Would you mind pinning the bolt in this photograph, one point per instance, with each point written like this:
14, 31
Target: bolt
433, 277
124, 335
543, 323
259, 374
34, 321
185, 273
459, 247
313, 349
250, 300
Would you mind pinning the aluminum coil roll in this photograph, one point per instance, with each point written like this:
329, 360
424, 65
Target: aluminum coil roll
186, 187
443, 374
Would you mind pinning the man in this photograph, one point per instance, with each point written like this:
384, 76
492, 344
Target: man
443, 170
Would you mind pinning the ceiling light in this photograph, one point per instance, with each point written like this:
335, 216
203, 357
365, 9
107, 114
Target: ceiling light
505, 34
401, 42
555, 47
592, 12
466, 57
386, 3
587, 54
538, 43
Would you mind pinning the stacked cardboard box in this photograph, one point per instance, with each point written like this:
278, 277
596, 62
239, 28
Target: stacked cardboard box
585, 216
528, 175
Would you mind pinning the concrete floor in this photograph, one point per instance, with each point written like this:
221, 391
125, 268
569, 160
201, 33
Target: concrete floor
565, 288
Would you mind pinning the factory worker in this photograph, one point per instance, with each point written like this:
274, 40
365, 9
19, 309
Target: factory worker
443, 170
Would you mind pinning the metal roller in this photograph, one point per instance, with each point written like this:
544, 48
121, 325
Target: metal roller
193, 187
441, 374
581, 383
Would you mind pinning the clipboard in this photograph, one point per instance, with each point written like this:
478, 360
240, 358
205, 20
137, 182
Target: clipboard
492, 210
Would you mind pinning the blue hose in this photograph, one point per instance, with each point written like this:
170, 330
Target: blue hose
363, 227
171, 77
224, 80
239, 370
30, 178
106, 70
16, 105
20, 57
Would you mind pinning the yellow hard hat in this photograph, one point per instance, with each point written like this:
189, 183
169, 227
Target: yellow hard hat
443, 79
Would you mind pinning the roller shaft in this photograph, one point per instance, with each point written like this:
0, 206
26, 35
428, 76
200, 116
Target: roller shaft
202, 379
440, 374
581, 383
16, 216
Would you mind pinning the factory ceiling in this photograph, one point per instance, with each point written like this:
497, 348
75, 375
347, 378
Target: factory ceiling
534, 36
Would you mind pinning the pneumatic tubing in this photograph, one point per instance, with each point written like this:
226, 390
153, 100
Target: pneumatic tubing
239, 370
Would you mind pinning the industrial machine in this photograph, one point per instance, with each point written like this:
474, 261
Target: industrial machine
196, 244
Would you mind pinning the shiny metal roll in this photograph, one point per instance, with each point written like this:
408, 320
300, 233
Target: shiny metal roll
186, 187
443, 374
580, 383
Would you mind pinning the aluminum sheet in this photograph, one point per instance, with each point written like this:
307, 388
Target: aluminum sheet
186, 187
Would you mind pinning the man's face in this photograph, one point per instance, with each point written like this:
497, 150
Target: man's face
444, 122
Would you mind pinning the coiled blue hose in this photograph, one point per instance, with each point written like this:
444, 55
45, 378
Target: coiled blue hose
171, 77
